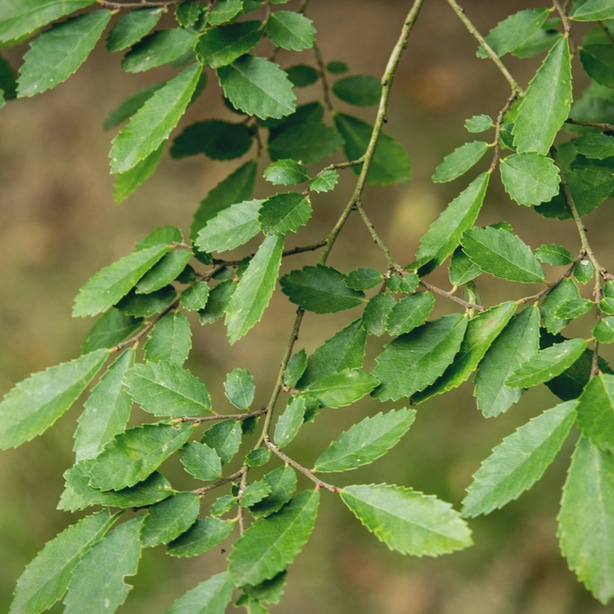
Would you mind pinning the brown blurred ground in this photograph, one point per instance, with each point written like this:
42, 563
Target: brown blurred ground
58, 226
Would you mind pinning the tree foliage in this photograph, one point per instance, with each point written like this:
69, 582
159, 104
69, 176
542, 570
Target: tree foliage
551, 148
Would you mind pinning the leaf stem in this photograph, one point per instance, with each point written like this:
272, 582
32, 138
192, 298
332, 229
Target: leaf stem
451, 296
216, 417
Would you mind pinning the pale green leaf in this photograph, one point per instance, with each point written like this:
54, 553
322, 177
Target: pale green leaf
409, 312
479, 123
272, 543
554, 254
132, 27
46, 577
411, 362
375, 316
596, 411
135, 454
342, 388
366, 441
258, 457
201, 461
258, 87
460, 161
167, 389
408, 521
546, 103
225, 438
218, 47
290, 30
114, 281
502, 254
253, 293
603, 331
284, 213
210, 597
161, 47
168, 519
594, 10
21, 17
290, 421
34, 404
152, 124
530, 178
57, 53
106, 411
204, 534
109, 561
518, 341
547, 364
286, 172
519, 461
444, 234
240, 388
169, 340
586, 524
224, 11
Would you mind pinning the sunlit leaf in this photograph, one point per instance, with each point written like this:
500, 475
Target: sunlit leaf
210, 597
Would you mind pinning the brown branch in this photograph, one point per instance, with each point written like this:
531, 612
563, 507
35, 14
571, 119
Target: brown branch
451, 296
602, 126
216, 417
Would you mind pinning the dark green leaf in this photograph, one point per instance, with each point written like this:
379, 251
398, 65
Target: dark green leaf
360, 90
598, 62
283, 484
502, 254
34, 404
135, 454
408, 521
204, 534
461, 270
286, 172
170, 340
519, 461
152, 124
598, 146
132, 26
308, 141
217, 302
284, 213
126, 183
409, 312
130, 106
211, 596
255, 492
257, 457
586, 526
366, 441
295, 368
302, 75
165, 271
375, 315
583, 271
217, 139
148, 305
225, 438
170, 518
565, 291
363, 278
320, 289
554, 254
46, 577
411, 362
111, 328
290, 30
57, 53
161, 47
596, 411
240, 388
460, 161
196, 296
201, 461
254, 291
221, 46
390, 163
272, 543
258, 87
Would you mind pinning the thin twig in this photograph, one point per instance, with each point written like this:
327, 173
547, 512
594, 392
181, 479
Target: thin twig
217, 417
376, 238
220, 482
452, 297
607, 127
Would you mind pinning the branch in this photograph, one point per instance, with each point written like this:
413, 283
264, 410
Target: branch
452, 297
216, 417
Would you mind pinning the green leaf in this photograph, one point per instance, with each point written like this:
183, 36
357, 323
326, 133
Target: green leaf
221, 46
482, 331
546, 103
302, 75
598, 61
110, 329
460, 161
603, 331
196, 296
290, 421
359, 90
57, 53
586, 526
444, 234
565, 291
295, 368
344, 350
151, 125
46, 577
114, 281
34, 404
596, 411
201, 461
283, 484
224, 11
574, 308
554, 254
409, 312
257, 457
217, 139
269, 591
159, 48
342, 388
165, 271
514, 31
376, 313
284, 213
132, 27
308, 141
593, 10
272, 543
461, 270
583, 271
530, 178
148, 305
411, 362
258, 87
255, 492
136, 453
290, 30
106, 411
253, 293
225, 438
210, 597
597, 146
23, 17
239, 388
390, 163
320, 289
230, 228
204, 534
170, 340
237, 187
518, 341
363, 278
126, 183
502, 254
407, 521
519, 461
166, 520
110, 560
366, 441
166, 389
547, 364
286, 172
479, 123
130, 106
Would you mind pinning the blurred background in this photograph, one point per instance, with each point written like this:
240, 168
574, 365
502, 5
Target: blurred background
58, 226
